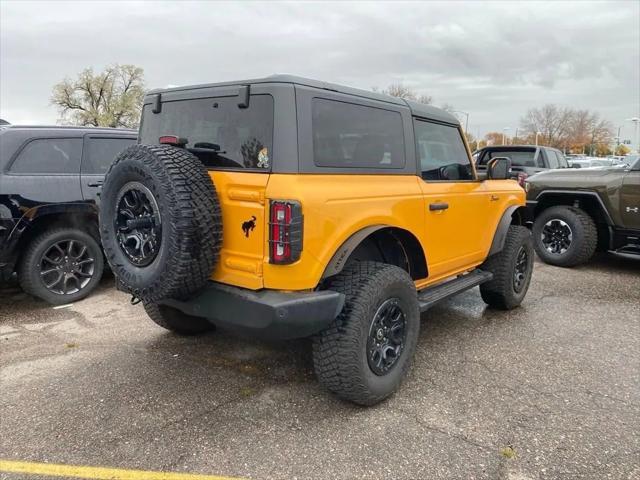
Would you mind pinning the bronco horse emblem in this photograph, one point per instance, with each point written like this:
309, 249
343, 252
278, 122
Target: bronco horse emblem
249, 225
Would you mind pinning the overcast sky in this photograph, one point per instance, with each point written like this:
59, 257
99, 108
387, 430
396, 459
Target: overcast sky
493, 60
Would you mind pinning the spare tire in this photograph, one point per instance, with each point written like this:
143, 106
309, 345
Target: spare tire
160, 222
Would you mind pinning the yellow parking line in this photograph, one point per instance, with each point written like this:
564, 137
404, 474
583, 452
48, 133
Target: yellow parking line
98, 473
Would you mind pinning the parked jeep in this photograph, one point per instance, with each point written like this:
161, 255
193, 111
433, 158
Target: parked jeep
287, 207
578, 211
49, 180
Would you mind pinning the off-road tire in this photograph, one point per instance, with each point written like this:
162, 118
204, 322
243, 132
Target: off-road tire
177, 321
190, 217
29, 267
584, 231
500, 292
340, 351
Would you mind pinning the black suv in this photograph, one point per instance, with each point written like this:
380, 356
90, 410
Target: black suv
526, 160
49, 183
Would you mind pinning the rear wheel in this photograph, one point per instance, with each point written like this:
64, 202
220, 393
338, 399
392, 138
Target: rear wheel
367, 350
177, 321
565, 236
61, 265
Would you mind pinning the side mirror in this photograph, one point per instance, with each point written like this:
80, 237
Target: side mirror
499, 168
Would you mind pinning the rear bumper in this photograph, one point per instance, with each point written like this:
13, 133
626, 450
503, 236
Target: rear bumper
269, 314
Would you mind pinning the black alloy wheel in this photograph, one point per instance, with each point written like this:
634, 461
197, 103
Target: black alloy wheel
387, 336
66, 267
521, 270
138, 224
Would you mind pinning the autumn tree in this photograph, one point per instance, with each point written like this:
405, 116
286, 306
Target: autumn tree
551, 121
111, 98
494, 138
622, 150
568, 129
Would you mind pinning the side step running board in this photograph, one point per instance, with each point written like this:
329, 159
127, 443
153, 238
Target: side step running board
432, 295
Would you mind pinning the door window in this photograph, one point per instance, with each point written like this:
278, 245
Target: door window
441, 152
100, 152
49, 156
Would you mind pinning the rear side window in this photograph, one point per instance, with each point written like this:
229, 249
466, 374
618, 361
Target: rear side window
441, 152
100, 152
552, 159
49, 156
519, 158
562, 162
217, 131
346, 135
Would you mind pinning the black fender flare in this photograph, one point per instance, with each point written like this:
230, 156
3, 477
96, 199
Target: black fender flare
340, 257
506, 220
40, 211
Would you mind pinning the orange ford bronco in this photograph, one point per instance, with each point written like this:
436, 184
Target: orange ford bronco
285, 207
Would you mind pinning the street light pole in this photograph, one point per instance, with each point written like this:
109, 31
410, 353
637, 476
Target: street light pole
466, 121
504, 132
537, 133
636, 120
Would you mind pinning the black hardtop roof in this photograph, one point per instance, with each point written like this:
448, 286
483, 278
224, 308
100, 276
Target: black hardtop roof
417, 108
511, 147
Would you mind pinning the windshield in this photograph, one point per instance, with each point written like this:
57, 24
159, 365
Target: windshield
217, 131
519, 158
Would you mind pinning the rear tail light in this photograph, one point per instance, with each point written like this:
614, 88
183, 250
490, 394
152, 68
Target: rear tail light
173, 140
285, 232
521, 178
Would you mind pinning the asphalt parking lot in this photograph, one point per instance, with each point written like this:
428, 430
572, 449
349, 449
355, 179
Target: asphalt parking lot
548, 391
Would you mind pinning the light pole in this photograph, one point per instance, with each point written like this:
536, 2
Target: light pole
537, 133
466, 121
504, 133
636, 120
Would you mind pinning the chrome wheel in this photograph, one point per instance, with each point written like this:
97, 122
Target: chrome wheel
387, 336
66, 267
137, 224
556, 236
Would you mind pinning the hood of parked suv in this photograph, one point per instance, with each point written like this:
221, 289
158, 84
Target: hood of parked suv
573, 179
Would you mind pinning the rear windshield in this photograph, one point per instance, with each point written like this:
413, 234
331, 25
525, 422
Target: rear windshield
218, 132
519, 158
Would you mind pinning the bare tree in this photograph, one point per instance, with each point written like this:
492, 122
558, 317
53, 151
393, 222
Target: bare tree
551, 121
112, 98
402, 91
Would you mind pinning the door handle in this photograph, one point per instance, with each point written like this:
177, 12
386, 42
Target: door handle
96, 184
438, 206
494, 198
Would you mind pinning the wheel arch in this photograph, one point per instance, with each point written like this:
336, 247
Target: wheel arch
39, 219
385, 243
513, 215
589, 202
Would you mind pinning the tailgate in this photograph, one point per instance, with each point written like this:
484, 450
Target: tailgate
242, 198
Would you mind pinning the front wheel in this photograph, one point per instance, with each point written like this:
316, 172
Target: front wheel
367, 350
565, 236
511, 268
